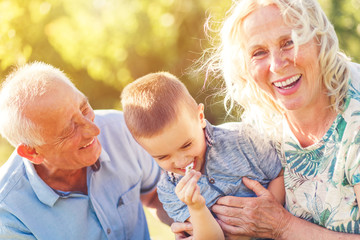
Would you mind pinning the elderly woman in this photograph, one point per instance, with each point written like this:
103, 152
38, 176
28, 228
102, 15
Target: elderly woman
281, 62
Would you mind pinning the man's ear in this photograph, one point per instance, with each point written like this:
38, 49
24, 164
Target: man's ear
201, 115
29, 153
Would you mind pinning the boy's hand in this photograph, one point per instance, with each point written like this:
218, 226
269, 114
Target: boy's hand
188, 191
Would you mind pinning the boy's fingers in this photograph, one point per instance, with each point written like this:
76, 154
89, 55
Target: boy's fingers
196, 194
181, 184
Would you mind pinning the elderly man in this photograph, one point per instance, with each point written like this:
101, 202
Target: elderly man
76, 173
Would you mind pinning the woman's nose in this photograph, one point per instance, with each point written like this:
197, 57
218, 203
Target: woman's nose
278, 61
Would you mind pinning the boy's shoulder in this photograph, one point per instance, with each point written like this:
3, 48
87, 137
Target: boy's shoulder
238, 128
239, 132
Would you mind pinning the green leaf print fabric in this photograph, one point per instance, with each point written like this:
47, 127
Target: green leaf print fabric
320, 179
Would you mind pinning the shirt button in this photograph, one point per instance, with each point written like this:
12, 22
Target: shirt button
212, 181
108, 231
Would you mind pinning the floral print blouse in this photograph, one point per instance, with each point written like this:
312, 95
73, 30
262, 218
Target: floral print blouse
320, 179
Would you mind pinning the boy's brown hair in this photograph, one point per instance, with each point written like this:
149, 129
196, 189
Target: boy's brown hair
152, 102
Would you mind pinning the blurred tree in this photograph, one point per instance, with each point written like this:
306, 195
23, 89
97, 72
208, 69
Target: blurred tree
104, 44
346, 20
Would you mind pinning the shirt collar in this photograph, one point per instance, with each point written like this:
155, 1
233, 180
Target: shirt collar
209, 129
45, 193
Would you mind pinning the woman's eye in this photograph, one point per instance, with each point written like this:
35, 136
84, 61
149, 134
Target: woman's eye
288, 43
259, 53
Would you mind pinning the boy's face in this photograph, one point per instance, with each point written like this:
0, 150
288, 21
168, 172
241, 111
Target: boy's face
180, 143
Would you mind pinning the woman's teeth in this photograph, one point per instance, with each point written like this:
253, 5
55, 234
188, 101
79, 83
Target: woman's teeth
288, 83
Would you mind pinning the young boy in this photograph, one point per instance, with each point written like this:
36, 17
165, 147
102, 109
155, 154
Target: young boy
167, 122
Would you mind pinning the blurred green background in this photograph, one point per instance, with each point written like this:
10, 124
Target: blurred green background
104, 44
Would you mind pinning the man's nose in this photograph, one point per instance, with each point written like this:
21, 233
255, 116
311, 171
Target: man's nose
89, 127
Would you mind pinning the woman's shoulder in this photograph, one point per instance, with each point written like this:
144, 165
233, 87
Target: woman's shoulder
354, 75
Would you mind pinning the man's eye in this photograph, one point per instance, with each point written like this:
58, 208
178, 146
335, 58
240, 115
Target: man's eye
70, 133
85, 111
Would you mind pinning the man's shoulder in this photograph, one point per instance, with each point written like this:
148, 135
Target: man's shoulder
105, 116
11, 173
110, 122
114, 130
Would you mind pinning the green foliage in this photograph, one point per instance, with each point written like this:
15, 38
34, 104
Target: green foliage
104, 44
346, 20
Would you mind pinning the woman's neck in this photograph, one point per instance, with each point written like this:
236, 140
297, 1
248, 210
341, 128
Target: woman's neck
310, 126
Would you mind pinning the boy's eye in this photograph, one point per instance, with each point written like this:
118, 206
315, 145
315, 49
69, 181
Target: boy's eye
161, 158
186, 145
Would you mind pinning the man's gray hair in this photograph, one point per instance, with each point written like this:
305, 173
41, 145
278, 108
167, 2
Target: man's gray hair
20, 87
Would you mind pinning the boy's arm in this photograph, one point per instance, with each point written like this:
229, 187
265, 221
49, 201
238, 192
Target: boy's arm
277, 188
204, 224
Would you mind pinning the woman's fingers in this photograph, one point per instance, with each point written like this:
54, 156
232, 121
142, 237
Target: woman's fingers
255, 186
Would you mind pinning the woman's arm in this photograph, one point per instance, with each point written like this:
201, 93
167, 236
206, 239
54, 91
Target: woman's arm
264, 217
357, 192
277, 188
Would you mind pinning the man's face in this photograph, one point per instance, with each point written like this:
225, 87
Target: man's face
67, 121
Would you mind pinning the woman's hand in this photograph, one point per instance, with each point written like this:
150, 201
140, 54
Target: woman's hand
260, 216
181, 229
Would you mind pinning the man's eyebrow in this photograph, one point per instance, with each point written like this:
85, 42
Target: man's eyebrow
83, 103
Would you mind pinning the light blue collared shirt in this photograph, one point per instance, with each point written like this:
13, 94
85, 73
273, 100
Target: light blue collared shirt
30, 209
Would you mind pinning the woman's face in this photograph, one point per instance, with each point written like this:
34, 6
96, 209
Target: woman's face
293, 82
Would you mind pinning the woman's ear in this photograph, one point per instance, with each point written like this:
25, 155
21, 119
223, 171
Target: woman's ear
201, 115
29, 153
